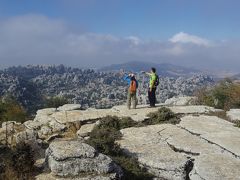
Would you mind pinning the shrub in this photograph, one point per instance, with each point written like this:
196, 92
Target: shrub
17, 163
237, 124
163, 115
55, 102
116, 123
224, 95
103, 138
11, 110
131, 168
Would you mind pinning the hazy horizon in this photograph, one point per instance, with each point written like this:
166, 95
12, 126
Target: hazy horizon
92, 34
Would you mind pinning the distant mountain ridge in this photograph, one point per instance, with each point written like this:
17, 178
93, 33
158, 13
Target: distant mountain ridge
163, 69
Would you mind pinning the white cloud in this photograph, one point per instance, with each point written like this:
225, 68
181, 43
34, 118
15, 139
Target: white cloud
187, 38
36, 39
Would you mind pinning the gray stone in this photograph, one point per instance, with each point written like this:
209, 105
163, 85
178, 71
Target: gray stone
234, 115
167, 151
45, 131
10, 125
181, 101
27, 137
46, 111
72, 157
69, 107
50, 176
85, 130
56, 127
214, 130
33, 125
152, 152
216, 166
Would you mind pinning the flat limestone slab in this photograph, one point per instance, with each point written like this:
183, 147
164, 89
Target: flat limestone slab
234, 114
216, 167
81, 115
152, 152
215, 130
141, 112
210, 161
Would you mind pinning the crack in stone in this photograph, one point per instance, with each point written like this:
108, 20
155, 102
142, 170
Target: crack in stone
175, 149
210, 142
188, 167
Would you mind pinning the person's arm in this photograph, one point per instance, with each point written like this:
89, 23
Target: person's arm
127, 78
147, 73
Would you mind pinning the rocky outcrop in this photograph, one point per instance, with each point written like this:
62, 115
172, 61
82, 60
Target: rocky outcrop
234, 115
181, 101
85, 130
200, 147
69, 107
73, 158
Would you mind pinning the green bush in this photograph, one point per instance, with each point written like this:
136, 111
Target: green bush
131, 168
163, 115
55, 102
224, 95
17, 163
103, 138
11, 110
237, 124
116, 123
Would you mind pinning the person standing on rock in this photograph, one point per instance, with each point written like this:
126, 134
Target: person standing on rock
153, 83
132, 91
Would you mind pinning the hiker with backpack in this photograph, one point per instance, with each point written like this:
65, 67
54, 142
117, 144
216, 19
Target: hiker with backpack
153, 83
132, 91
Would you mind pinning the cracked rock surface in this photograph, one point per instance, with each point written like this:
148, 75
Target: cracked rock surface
70, 158
209, 143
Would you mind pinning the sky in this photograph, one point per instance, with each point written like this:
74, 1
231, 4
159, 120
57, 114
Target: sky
203, 34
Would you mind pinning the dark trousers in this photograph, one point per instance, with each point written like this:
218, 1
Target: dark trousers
152, 96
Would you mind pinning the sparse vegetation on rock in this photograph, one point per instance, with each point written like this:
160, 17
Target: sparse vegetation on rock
16, 163
163, 115
225, 95
55, 102
11, 110
103, 138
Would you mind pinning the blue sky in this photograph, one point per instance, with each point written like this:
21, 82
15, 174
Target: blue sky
214, 19
92, 33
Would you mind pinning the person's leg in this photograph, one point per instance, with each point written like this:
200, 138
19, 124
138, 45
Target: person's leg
150, 97
134, 99
129, 100
154, 96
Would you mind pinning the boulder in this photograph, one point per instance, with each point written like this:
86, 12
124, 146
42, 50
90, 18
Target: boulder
33, 125
234, 114
72, 158
9, 125
26, 137
69, 107
181, 101
46, 111
44, 132
50, 176
85, 130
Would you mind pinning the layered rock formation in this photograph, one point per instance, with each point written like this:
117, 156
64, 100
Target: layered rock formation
201, 146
